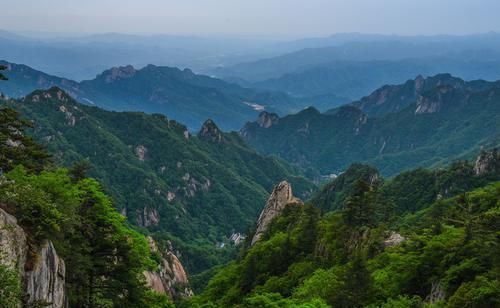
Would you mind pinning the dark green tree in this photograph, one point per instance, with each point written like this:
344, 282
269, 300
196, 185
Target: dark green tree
2, 76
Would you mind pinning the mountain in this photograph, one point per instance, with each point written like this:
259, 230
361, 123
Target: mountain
193, 191
393, 98
63, 244
481, 48
445, 119
180, 94
352, 80
81, 57
374, 250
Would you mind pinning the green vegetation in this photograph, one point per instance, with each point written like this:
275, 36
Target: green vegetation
104, 257
371, 247
448, 119
191, 191
180, 94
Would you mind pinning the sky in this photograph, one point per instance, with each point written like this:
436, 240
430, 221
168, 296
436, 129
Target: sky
292, 18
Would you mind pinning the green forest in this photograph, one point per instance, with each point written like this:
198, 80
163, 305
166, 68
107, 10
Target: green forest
104, 255
425, 238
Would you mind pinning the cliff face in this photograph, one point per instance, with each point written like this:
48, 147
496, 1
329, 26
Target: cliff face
41, 269
170, 277
13, 247
45, 282
487, 161
280, 198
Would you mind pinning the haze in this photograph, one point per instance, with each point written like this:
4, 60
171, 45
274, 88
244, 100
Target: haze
290, 18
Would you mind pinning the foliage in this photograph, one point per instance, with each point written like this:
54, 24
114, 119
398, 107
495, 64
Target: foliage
396, 139
448, 256
105, 258
10, 287
15, 146
202, 191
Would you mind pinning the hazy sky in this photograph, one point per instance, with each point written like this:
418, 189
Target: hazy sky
252, 17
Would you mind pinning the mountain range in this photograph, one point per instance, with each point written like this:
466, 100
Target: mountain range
192, 190
424, 122
180, 94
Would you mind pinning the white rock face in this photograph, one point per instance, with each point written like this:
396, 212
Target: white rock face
13, 247
394, 239
45, 279
279, 199
45, 283
487, 161
170, 277
140, 152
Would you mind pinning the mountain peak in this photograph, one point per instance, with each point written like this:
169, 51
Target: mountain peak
52, 93
116, 73
267, 119
210, 131
279, 199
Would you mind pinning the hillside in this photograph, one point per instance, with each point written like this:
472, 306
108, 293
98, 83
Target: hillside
63, 244
446, 119
179, 94
191, 190
374, 250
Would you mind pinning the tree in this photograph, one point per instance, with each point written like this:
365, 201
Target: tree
359, 208
15, 147
2, 68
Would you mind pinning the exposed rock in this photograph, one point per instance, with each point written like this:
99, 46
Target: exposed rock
434, 102
116, 73
140, 152
437, 293
45, 282
13, 143
209, 131
280, 198
394, 239
186, 134
267, 119
170, 196
149, 217
170, 277
13, 247
43, 272
70, 118
237, 238
486, 162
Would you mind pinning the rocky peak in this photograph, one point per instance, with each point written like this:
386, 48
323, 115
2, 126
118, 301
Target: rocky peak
280, 198
267, 119
52, 93
487, 161
209, 131
116, 73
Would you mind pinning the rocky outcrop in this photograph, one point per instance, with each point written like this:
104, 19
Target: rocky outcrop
140, 152
13, 245
150, 217
394, 240
45, 282
116, 73
170, 277
209, 131
267, 119
280, 198
42, 270
486, 162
